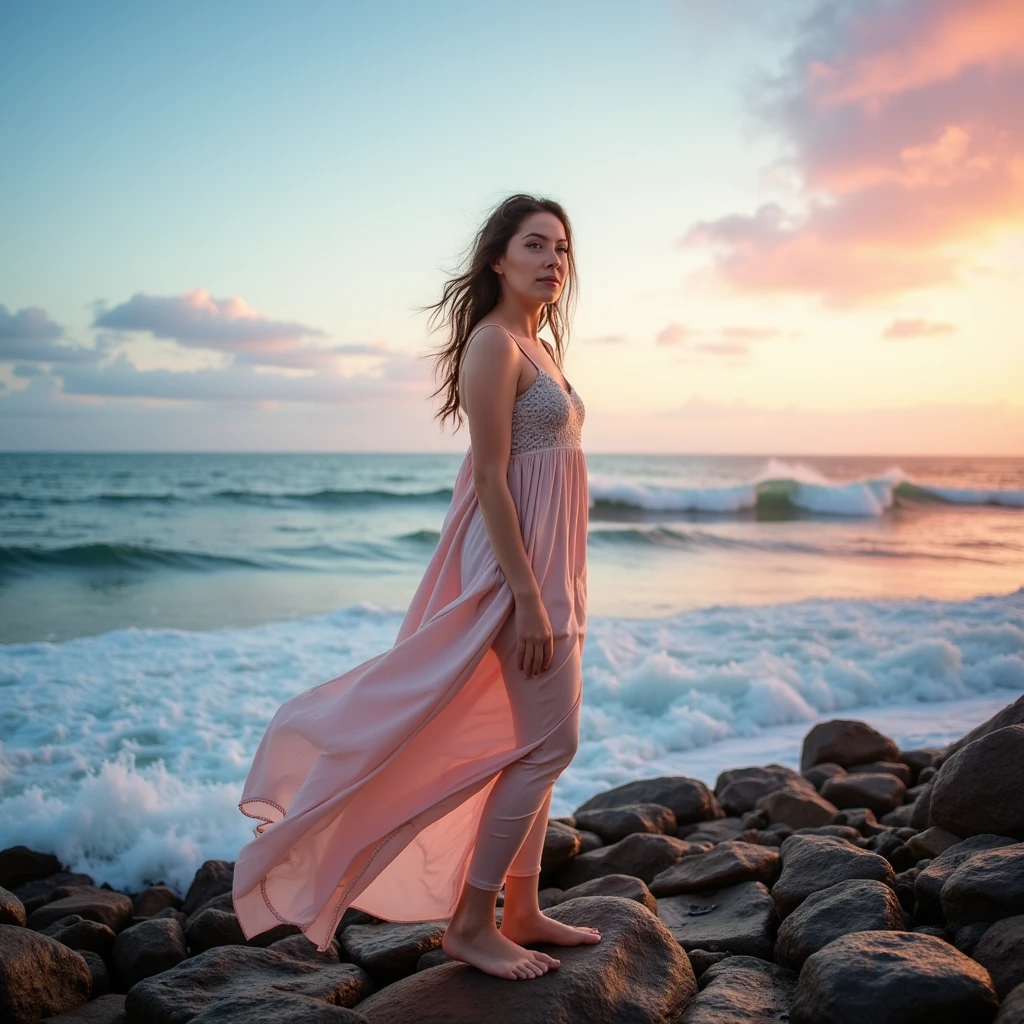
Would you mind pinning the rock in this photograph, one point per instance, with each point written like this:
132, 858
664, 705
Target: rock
217, 927
818, 774
813, 863
277, 1008
19, 864
862, 819
1001, 952
104, 1009
1011, 1010
640, 855
589, 841
389, 951
927, 774
1012, 714
847, 832
980, 789
688, 799
892, 978
38, 976
213, 878
797, 807
928, 884
969, 936
615, 823
114, 909
897, 768
636, 973
561, 843
718, 831
920, 812
740, 919
726, 864
35, 893
99, 972
702, 959
739, 790
148, 948
624, 886
845, 742
986, 887
229, 972
75, 932
877, 790
918, 760
12, 910
854, 905
301, 947
931, 842
154, 899
742, 990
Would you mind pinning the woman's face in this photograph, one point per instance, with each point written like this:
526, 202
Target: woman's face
536, 260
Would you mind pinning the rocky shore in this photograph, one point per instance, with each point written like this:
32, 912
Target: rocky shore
874, 885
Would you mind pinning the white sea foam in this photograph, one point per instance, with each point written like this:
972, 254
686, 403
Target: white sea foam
125, 753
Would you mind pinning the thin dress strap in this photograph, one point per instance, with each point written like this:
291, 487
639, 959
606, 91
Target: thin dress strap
511, 335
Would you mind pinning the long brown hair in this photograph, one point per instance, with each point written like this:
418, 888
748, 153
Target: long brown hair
472, 294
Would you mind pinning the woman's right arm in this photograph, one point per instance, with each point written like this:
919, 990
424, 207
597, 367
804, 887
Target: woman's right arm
490, 369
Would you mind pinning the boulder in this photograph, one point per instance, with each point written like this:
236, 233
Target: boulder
1012, 714
41, 890
931, 842
1011, 1009
77, 933
114, 909
726, 864
561, 843
817, 774
740, 919
105, 1009
1000, 950
891, 977
640, 855
389, 951
854, 905
986, 887
980, 789
928, 884
742, 990
845, 742
813, 863
12, 910
798, 806
739, 790
688, 799
214, 878
149, 948
230, 972
20, 864
717, 831
277, 1008
39, 977
879, 791
898, 768
153, 899
615, 823
636, 973
702, 959
625, 886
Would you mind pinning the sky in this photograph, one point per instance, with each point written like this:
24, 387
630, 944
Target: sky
799, 227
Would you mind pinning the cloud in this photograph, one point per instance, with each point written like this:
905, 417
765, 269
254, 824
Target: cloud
725, 341
902, 124
31, 335
917, 328
607, 339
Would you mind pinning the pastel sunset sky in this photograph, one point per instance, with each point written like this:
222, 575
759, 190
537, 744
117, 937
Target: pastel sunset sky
799, 226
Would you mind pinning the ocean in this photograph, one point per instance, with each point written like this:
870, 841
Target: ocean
156, 610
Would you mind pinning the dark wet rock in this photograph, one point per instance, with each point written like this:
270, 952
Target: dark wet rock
846, 742
968, 937
920, 810
148, 948
214, 927
105, 1009
928, 884
1011, 1009
927, 774
899, 816
905, 889
114, 909
99, 971
78, 933
767, 837
636, 973
565, 819
1012, 714
213, 878
931, 929
862, 819
20, 864
702, 959
879, 791
740, 919
892, 978
625, 886
589, 841
754, 819
389, 951
1000, 950
739, 790
228, 972
688, 799
41, 890
640, 855
154, 899
798, 806
615, 823
301, 947
12, 910
561, 844
724, 865
980, 789
39, 977
986, 887
931, 842
718, 831
742, 990
898, 768
817, 775
813, 863
277, 1008
847, 832
854, 905
918, 760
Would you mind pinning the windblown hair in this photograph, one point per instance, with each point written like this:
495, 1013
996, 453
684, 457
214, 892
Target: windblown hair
468, 297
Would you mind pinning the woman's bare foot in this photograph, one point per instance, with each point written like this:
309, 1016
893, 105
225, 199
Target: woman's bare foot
541, 928
494, 953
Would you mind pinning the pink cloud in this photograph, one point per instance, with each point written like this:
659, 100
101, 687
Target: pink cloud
917, 328
905, 129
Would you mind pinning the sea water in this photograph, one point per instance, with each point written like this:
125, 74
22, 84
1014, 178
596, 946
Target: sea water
156, 610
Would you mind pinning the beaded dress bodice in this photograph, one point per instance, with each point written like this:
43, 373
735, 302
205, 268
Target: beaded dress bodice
546, 416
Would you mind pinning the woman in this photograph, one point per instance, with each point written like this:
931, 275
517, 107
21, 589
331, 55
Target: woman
418, 783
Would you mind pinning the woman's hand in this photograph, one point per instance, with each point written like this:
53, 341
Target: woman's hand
535, 646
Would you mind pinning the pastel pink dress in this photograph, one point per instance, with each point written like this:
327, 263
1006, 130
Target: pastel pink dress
369, 787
